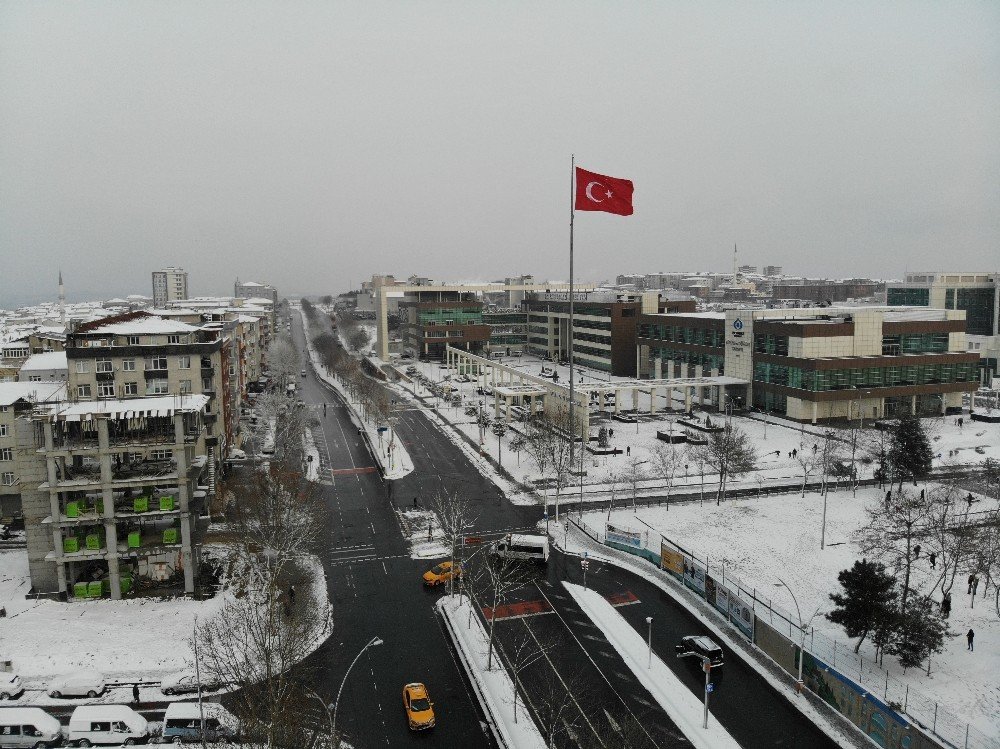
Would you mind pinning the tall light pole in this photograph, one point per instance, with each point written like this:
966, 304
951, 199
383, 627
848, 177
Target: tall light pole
649, 641
802, 633
375, 641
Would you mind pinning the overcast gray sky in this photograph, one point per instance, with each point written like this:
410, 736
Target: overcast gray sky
313, 144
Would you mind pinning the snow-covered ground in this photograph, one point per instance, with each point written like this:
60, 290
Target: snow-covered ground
495, 688
128, 640
758, 540
775, 440
683, 707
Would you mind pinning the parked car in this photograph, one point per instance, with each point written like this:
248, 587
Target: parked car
10, 686
185, 682
182, 723
107, 724
78, 684
441, 574
28, 726
418, 706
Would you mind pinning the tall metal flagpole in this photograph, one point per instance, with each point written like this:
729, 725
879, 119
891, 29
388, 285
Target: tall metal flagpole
572, 386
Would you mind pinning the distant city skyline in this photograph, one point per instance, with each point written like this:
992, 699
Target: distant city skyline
313, 144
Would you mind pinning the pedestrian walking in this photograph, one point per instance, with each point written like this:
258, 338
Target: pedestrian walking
975, 585
414, 503
933, 558
946, 605
969, 637
961, 421
815, 448
611, 432
916, 551
324, 409
135, 693
628, 450
971, 580
291, 594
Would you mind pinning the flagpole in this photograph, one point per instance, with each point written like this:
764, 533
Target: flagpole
572, 386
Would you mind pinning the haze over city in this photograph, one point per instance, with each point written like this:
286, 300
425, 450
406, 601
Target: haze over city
312, 144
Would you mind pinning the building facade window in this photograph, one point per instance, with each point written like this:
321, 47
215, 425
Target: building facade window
130, 388
128, 365
82, 366
3, 430
173, 339
156, 363
6, 453
133, 340
185, 386
105, 390
160, 455
184, 362
7, 478
908, 297
83, 391
104, 365
157, 387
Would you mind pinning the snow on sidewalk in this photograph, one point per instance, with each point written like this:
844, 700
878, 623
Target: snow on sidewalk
495, 689
673, 696
391, 455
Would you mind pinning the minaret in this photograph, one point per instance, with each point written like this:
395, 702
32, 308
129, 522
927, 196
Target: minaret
735, 277
62, 301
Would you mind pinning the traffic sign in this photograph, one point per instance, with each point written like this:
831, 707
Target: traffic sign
584, 563
383, 429
710, 687
473, 540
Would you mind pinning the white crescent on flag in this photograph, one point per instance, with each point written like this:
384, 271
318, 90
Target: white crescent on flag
590, 194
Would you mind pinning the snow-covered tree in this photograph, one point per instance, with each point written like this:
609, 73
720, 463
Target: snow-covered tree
729, 453
910, 453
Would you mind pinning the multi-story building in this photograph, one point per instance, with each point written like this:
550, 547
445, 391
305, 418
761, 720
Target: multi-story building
169, 284
772, 270
604, 327
820, 364
12, 357
508, 328
110, 493
978, 294
820, 290
440, 317
254, 290
138, 355
17, 399
48, 367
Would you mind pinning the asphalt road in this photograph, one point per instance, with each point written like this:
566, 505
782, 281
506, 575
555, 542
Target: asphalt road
376, 591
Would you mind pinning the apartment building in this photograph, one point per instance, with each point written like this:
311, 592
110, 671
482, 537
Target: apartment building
138, 355
110, 493
48, 367
604, 327
17, 399
254, 290
438, 317
169, 284
820, 364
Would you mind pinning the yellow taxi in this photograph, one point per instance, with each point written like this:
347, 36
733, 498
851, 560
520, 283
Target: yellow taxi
418, 706
442, 573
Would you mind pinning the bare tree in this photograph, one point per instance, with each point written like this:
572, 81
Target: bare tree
523, 651
875, 444
894, 526
251, 643
730, 454
615, 482
495, 577
499, 428
807, 463
633, 474
454, 515
951, 535
283, 360
668, 461
557, 706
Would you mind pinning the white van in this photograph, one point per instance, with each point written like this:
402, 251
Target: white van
523, 547
182, 723
28, 726
107, 724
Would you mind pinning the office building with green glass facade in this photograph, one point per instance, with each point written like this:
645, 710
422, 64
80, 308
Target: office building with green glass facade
978, 294
820, 364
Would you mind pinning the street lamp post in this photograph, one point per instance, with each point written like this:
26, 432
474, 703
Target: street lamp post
375, 641
649, 642
802, 633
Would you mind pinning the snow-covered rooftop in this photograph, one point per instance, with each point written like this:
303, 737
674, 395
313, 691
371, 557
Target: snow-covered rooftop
11, 392
144, 326
48, 360
164, 405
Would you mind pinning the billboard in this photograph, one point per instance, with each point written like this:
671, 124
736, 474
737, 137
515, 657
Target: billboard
623, 536
671, 561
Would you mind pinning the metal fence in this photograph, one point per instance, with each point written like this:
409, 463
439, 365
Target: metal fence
839, 655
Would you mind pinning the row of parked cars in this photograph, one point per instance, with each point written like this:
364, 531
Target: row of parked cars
114, 725
92, 684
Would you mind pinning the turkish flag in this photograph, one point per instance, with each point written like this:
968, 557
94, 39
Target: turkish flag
595, 192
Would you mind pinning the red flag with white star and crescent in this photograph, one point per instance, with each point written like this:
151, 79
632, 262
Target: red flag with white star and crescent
597, 192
